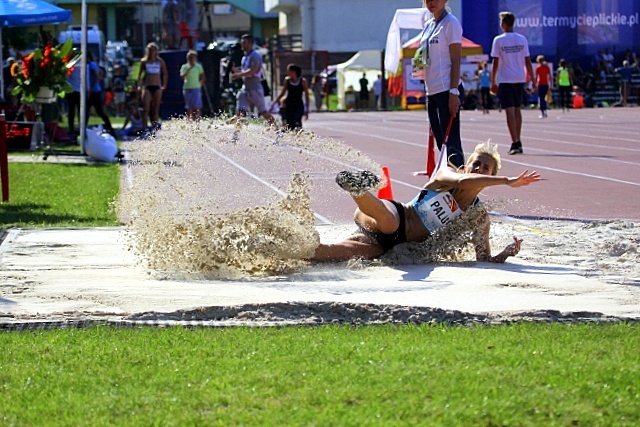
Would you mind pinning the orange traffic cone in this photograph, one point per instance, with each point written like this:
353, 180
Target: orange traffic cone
386, 192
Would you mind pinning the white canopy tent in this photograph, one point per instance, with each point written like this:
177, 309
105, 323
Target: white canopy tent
413, 19
349, 73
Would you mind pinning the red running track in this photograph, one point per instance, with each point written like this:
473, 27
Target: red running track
589, 159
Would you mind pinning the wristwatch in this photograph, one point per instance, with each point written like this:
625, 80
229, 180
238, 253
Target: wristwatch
454, 91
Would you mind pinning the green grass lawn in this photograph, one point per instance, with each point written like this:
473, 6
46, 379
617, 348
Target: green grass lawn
518, 375
60, 195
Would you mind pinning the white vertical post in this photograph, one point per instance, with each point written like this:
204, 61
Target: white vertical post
83, 77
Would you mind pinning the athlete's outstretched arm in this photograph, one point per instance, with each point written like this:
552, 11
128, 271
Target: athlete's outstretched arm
483, 245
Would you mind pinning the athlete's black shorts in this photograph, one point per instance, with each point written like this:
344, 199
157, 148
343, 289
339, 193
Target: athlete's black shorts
388, 241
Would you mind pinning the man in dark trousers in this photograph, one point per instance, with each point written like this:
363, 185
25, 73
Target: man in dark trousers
510, 52
364, 91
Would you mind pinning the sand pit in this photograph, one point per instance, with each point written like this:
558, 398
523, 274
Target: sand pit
567, 271
218, 229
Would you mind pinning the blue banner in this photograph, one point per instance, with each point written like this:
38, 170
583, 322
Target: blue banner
573, 29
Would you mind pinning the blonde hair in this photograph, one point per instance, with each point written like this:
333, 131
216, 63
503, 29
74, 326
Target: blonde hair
490, 150
150, 46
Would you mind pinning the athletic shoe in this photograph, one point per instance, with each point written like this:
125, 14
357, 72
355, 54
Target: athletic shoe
516, 148
357, 183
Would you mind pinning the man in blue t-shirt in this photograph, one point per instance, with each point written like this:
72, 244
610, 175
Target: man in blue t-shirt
94, 98
251, 72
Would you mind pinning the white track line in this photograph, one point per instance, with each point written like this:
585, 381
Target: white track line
603, 178
481, 128
311, 153
540, 131
537, 167
260, 180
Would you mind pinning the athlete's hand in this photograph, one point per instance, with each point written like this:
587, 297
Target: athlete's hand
454, 104
525, 178
514, 248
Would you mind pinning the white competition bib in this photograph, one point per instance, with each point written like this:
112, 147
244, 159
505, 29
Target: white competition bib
436, 209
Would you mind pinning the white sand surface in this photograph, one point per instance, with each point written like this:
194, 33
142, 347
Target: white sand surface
239, 206
565, 267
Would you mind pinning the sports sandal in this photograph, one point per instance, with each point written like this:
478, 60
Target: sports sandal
357, 183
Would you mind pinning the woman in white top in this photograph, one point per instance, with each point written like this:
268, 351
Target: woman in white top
155, 81
441, 45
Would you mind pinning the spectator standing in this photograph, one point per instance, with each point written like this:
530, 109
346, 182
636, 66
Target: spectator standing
441, 53
192, 75
318, 91
377, 90
484, 78
511, 66
170, 30
564, 80
607, 58
8, 79
294, 87
630, 56
625, 79
579, 76
364, 92
119, 87
251, 94
602, 73
543, 72
597, 61
152, 80
73, 98
95, 93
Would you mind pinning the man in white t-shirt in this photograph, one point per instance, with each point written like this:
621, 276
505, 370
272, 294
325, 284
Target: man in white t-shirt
512, 68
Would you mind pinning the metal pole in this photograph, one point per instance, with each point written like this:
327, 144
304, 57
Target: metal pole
1, 74
144, 30
383, 92
83, 77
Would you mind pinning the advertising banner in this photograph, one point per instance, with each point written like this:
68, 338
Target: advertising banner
573, 29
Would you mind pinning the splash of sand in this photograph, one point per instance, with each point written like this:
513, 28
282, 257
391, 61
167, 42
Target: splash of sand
207, 202
214, 200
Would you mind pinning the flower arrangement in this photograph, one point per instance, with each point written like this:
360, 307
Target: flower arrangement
45, 67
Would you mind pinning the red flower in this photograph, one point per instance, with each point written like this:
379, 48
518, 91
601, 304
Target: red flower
45, 67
